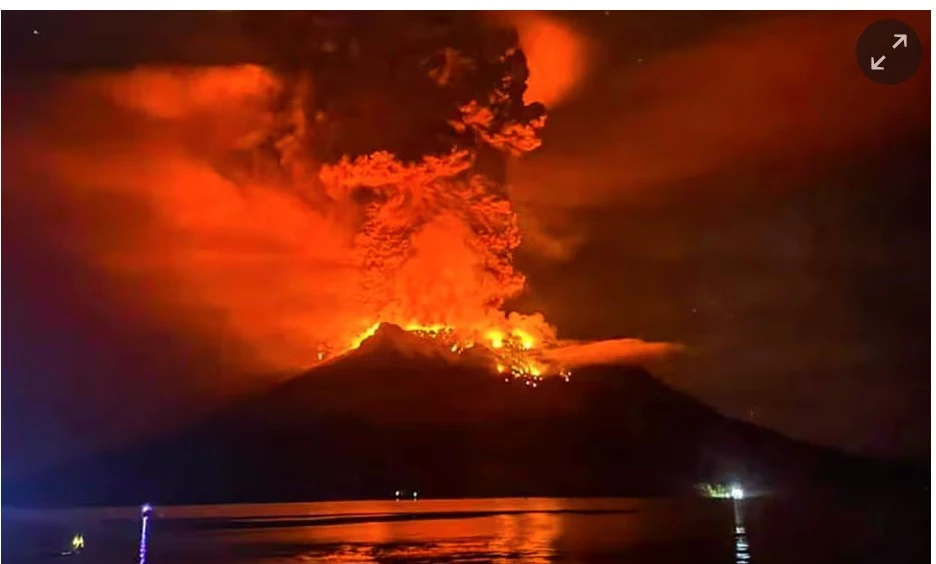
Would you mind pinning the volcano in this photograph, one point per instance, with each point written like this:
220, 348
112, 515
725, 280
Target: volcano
401, 413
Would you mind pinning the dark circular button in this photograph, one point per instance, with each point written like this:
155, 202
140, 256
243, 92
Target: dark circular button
889, 51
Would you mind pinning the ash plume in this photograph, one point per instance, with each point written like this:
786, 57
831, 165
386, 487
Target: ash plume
253, 211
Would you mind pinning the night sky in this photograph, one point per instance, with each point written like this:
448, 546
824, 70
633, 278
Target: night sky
729, 182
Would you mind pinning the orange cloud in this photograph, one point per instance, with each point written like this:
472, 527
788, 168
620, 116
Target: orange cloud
557, 55
612, 351
236, 257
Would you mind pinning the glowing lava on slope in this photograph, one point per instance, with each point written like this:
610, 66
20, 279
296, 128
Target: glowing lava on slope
514, 352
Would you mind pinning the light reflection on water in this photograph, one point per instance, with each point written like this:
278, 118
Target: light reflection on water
498, 539
497, 531
500, 531
144, 539
741, 548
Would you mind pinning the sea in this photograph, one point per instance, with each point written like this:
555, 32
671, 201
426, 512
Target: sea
527, 530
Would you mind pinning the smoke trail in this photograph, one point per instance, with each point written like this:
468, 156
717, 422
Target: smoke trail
611, 351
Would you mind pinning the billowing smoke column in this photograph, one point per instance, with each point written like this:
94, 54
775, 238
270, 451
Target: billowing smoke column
437, 235
294, 210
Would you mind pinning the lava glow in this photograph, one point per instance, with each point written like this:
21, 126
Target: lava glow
514, 351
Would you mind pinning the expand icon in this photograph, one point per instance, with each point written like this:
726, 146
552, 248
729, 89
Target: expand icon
889, 51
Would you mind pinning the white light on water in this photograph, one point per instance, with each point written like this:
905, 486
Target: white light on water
737, 492
146, 510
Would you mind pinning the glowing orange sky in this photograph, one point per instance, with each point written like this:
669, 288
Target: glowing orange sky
250, 259
276, 263
288, 266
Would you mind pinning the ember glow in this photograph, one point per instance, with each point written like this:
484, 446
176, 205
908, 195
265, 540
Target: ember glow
514, 352
252, 231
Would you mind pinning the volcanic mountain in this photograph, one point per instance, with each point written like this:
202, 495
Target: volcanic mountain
400, 414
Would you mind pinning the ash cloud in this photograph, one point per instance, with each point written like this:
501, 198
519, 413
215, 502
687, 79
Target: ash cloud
251, 259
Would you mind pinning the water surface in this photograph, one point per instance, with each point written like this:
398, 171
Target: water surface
480, 531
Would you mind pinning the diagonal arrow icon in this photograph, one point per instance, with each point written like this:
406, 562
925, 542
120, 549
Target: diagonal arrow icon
894, 50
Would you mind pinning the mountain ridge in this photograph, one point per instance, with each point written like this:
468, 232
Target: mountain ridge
399, 414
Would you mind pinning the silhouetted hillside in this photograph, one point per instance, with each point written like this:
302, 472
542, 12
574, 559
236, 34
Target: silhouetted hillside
399, 414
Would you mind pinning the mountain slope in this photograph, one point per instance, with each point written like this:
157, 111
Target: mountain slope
401, 414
